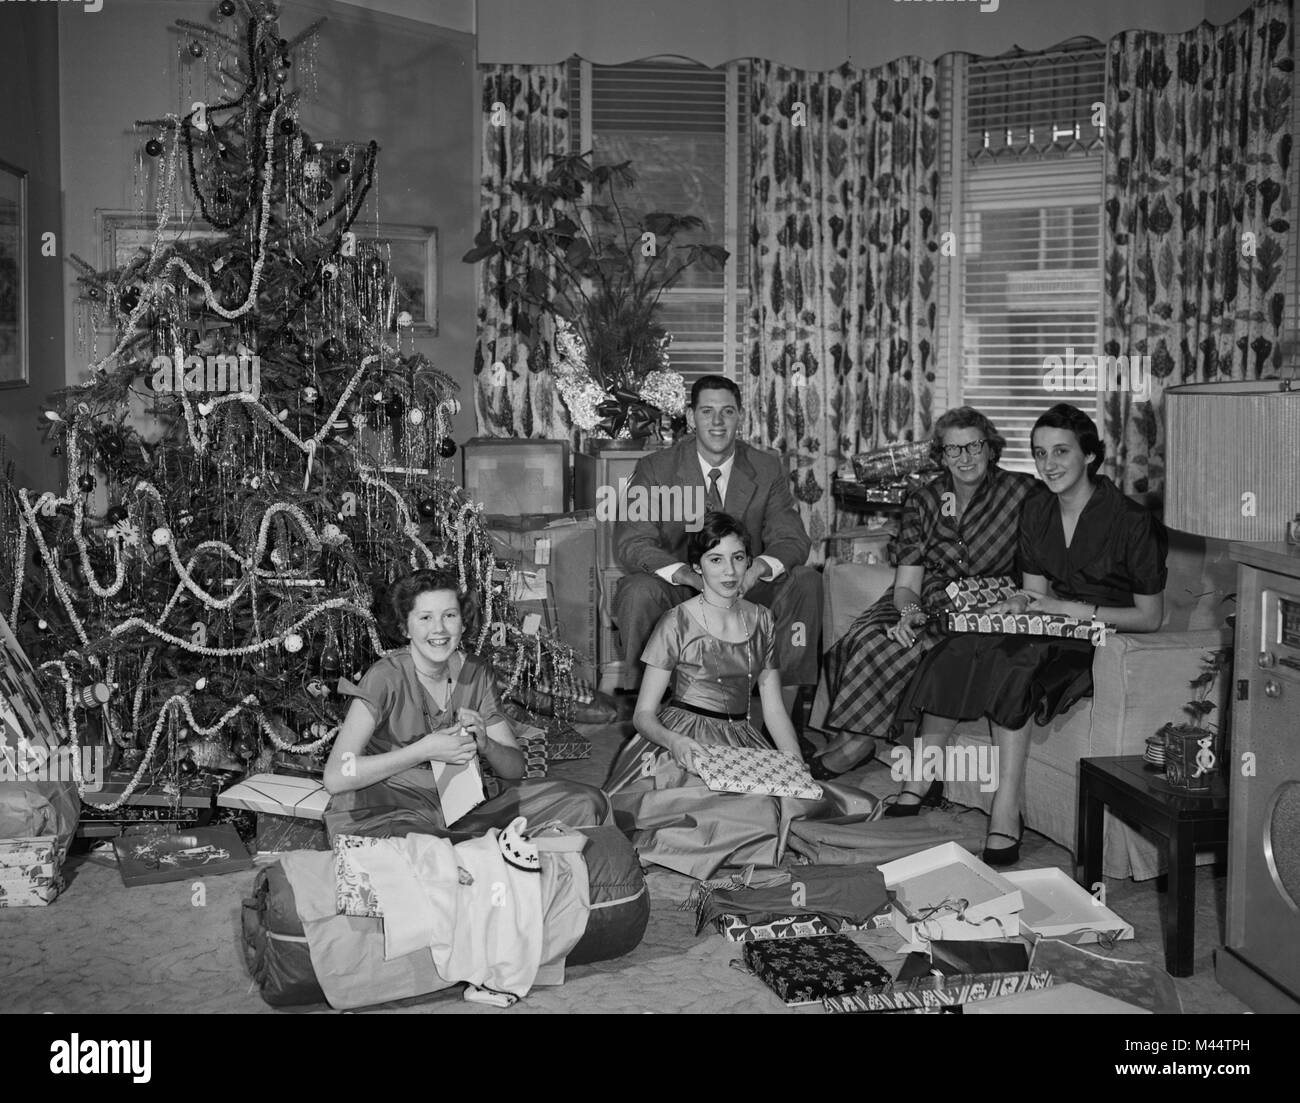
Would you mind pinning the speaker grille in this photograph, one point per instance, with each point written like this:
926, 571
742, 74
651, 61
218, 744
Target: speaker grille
1282, 842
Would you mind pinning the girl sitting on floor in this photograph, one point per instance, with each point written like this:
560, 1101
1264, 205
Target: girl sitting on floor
714, 648
431, 703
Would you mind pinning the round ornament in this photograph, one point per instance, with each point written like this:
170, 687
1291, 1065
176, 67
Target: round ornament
153, 147
404, 319
287, 126
311, 170
446, 448
333, 349
111, 446
309, 395
330, 271
187, 766
196, 49
86, 483
293, 643
162, 536
416, 416
226, 8
201, 684
129, 300
427, 508
342, 166
280, 76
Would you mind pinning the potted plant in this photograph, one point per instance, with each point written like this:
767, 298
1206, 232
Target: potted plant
1190, 747
596, 272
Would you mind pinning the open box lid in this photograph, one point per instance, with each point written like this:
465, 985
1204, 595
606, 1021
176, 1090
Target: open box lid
1055, 906
949, 872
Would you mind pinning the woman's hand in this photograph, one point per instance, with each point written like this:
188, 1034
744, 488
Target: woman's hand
472, 721
1016, 604
907, 628
683, 751
451, 745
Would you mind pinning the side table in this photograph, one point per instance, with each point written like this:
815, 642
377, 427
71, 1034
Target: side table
1185, 822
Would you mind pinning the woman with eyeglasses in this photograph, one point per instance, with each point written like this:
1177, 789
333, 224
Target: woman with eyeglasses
1086, 551
961, 525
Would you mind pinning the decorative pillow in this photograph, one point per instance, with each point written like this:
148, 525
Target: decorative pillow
755, 770
807, 970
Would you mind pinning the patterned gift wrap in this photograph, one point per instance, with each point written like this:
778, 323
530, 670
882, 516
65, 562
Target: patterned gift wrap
29, 894
1027, 624
935, 992
755, 770
30, 871
807, 970
532, 741
35, 850
354, 894
565, 744
735, 928
975, 593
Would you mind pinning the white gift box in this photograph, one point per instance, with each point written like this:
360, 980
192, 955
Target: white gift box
1056, 906
282, 794
928, 887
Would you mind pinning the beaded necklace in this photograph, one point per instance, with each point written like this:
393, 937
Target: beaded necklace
744, 622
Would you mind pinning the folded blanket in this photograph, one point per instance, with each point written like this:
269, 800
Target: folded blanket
834, 894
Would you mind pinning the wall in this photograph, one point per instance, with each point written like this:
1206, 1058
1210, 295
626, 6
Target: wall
408, 85
29, 139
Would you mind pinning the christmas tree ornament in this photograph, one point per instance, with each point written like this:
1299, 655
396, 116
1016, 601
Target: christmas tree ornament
330, 271
342, 166
162, 536
416, 416
358, 421
94, 294
311, 170
86, 483
280, 76
287, 126
293, 643
446, 448
187, 766
271, 13
427, 508
333, 349
116, 515
129, 300
317, 688
201, 684
404, 319
196, 49
153, 147
306, 354
111, 446
394, 406
226, 8
309, 395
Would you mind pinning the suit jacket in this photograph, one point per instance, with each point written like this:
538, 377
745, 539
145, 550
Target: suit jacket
758, 495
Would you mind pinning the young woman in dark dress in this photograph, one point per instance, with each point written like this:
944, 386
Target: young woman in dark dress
962, 525
1085, 551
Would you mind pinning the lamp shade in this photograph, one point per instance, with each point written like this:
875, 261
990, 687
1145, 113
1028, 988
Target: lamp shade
1232, 459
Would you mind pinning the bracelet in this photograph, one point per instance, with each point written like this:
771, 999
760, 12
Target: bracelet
910, 607
1095, 610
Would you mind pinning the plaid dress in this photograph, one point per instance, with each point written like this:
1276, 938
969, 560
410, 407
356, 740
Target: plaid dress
866, 671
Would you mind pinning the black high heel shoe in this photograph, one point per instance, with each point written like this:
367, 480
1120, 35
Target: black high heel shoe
1007, 855
932, 797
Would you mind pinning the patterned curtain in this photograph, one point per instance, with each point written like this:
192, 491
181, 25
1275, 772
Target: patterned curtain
525, 121
843, 283
1197, 217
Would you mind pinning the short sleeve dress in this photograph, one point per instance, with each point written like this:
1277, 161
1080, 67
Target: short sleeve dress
1118, 550
404, 711
674, 820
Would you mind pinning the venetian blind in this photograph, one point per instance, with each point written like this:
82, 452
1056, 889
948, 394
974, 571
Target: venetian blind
685, 130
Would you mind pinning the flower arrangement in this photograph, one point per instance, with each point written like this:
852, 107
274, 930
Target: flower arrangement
597, 272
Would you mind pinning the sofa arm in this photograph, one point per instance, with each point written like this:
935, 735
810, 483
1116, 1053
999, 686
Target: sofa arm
848, 589
1141, 681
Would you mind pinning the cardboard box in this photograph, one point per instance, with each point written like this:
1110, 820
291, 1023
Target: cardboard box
1059, 999
929, 879
303, 797
560, 551
155, 857
29, 894
1058, 907
940, 992
734, 928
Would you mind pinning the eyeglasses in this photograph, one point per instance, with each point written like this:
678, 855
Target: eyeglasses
974, 448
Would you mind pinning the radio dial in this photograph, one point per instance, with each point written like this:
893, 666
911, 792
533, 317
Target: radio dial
1267, 659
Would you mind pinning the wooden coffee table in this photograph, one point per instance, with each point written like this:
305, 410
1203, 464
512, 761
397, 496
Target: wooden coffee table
1135, 792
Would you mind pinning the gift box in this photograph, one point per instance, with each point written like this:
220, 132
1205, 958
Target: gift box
161, 855
736, 928
947, 893
864, 544
281, 794
1028, 624
893, 462
1058, 999
975, 593
1058, 907
755, 770
564, 744
30, 871
808, 970
532, 741
277, 834
938, 992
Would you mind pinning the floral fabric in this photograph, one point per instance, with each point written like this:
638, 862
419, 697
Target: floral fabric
1197, 216
843, 283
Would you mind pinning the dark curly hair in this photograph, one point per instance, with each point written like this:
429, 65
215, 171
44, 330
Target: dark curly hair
715, 528
1065, 416
401, 596
967, 417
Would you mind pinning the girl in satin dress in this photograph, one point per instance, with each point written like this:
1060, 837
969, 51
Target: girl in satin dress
715, 648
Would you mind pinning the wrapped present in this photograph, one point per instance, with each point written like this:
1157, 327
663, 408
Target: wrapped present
25, 853
755, 770
928, 992
532, 741
30, 871
155, 856
29, 894
276, 834
976, 593
565, 744
1028, 624
736, 928
280, 794
808, 970
894, 462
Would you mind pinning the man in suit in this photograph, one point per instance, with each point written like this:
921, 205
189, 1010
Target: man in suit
752, 486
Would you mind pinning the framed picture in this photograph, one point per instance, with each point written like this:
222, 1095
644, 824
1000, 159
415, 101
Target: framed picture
125, 234
13, 276
412, 256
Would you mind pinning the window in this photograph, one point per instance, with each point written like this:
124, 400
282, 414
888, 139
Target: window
1023, 189
685, 129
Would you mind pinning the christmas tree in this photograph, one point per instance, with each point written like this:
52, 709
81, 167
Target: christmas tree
270, 457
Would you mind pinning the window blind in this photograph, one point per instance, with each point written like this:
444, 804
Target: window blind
685, 129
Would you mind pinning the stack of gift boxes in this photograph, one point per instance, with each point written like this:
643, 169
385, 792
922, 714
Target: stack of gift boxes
29, 871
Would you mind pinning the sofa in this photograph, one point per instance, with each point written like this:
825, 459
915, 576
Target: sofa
1140, 682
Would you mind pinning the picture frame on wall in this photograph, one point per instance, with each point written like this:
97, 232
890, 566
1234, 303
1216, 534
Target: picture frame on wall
125, 234
14, 335
411, 253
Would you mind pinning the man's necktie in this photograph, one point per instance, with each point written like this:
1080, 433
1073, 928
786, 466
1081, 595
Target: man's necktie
713, 500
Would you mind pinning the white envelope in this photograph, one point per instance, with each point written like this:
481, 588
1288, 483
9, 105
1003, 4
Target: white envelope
460, 788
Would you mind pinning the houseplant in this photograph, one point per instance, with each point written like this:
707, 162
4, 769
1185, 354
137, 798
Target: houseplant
1191, 747
592, 271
